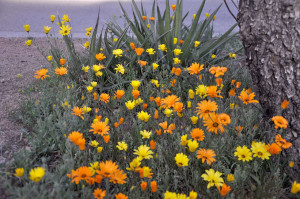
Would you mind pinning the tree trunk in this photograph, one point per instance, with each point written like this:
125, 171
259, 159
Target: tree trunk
270, 31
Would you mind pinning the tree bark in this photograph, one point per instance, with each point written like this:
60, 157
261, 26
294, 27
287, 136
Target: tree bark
270, 31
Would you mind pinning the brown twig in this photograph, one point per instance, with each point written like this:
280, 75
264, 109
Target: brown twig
230, 10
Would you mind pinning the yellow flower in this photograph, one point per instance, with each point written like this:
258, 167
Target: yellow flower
148, 25
47, 29
135, 84
177, 51
99, 73
232, 106
259, 150
213, 177
191, 94
168, 112
88, 34
106, 121
155, 65
230, 177
193, 195
213, 56
184, 140
49, 58
291, 164
115, 40
89, 89
232, 55
86, 109
162, 47
207, 15
66, 18
138, 101
99, 149
65, 30
85, 68
189, 104
19, 172
122, 146
181, 160
96, 68
52, 18
130, 105
145, 134
120, 68
28, 43
143, 152
94, 84
27, 27
194, 119
118, 53
295, 187
19, 75
86, 44
214, 17
154, 81
94, 143
150, 51
196, 44
193, 145
176, 61
201, 90
175, 40
144, 116
136, 162
194, 16
89, 29
36, 174
243, 154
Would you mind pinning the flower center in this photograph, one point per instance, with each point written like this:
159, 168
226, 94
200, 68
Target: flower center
215, 124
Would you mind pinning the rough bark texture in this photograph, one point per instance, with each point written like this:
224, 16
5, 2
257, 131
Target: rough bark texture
270, 31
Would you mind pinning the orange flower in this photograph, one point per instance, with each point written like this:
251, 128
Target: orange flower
173, 82
61, 71
173, 7
282, 142
106, 138
178, 107
139, 51
284, 104
151, 99
116, 124
132, 46
143, 63
224, 190
100, 56
104, 97
145, 106
232, 92
121, 196
197, 134
280, 122
158, 101
232, 81
195, 68
238, 85
176, 71
135, 93
165, 127
181, 41
218, 71
151, 18
247, 99
212, 91
274, 148
206, 155
219, 81
95, 95
156, 114
145, 172
206, 107
213, 123
99, 193
82, 173
225, 119
158, 132
169, 101
144, 185
144, 18
107, 168
100, 128
118, 177
77, 139
41, 74
121, 120
119, 94
78, 111
62, 61
153, 185
152, 145
239, 129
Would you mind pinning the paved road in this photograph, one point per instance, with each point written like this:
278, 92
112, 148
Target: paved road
83, 13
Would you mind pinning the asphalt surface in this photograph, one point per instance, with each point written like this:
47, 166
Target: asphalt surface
83, 13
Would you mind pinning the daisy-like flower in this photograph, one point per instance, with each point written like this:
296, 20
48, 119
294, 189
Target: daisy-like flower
47, 29
146, 134
259, 150
77, 138
144, 116
41, 74
274, 148
130, 105
65, 30
213, 92
122, 146
224, 189
295, 187
119, 94
207, 155
195, 68
193, 145
201, 90
162, 47
66, 18
206, 107
99, 193
100, 128
150, 51
247, 99
134, 164
218, 71
82, 173
118, 53
120, 68
213, 177
280, 122
224, 118
143, 152
197, 134
61, 71
177, 51
107, 168
104, 97
139, 51
213, 123
243, 154
121, 196
135, 84
169, 101
36, 174
282, 142
19, 172
100, 57
78, 112
181, 160
118, 177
